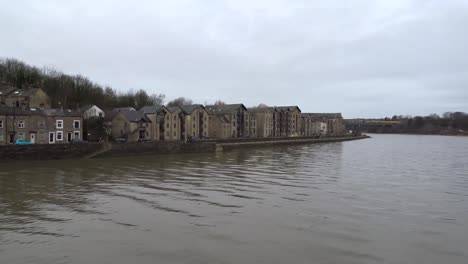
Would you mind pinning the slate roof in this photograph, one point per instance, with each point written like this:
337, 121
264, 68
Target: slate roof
130, 113
8, 90
287, 108
261, 109
188, 109
123, 109
173, 109
13, 111
223, 109
152, 109
223, 119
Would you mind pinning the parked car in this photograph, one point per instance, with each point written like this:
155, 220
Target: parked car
120, 140
23, 142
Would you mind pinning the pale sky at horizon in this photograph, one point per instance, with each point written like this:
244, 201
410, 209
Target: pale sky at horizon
361, 58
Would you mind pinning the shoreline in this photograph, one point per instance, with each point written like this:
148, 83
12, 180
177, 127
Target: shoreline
12, 153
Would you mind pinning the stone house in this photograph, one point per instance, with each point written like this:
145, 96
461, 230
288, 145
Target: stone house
173, 124
219, 127
235, 113
289, 120
130, 124
157, 115
195, 122
23, 98
250, 125
334, 122
265, 121
312, 125
50, 126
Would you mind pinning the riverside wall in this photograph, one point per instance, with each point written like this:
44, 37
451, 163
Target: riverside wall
48, 152
102, 150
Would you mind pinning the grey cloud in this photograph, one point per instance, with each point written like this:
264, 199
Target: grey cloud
363, 58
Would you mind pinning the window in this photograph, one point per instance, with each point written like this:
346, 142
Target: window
167, 125
20, 135
175, 134
175, 125
76, 135
59, 124
41, 124
1, 123
51, 137
193, 125
175, 117
59, 135
76, 124
1, 135
21, 124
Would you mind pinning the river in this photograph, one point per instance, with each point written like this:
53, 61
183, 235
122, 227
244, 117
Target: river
387, 199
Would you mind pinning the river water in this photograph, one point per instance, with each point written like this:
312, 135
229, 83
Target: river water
388, 199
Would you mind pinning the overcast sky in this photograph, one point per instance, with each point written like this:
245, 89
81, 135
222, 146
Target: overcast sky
362, 58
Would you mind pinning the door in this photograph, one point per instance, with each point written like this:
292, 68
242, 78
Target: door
51, 137
12, 138
69, 137
33, 138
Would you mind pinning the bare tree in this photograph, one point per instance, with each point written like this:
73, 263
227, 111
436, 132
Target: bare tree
180, 101
219, 102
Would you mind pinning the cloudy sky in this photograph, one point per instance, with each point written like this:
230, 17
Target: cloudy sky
362, 58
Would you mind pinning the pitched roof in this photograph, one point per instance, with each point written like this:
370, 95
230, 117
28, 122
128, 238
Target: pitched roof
151, 109
188, 109
223, 119
117, 109
173, 109
288, 108
261, 109
7, 90
13, 111
223, 109
130, 113
87, 107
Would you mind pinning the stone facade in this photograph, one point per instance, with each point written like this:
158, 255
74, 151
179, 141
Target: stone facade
235, 113
219, 127
265, 122
334, 122
196, 123
289, 121
130, 124
50, 126
23, 98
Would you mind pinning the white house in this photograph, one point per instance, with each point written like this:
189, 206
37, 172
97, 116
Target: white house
92, 111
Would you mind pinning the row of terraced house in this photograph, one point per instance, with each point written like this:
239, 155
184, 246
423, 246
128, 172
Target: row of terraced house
186, 122
26, 114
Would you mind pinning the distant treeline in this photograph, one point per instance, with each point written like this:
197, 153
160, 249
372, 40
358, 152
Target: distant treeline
72, 91
450, 123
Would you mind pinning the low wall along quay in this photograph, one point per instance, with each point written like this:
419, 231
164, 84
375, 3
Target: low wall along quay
102, 150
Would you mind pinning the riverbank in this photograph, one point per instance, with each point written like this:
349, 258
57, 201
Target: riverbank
10, 153
151, 148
